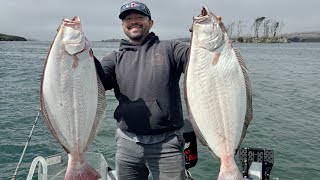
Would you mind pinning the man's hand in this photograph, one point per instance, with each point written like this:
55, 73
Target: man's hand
223, 28
219, 19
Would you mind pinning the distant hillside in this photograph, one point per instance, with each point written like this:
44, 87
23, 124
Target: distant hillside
303, 37
111, 40
284, 38
5, 37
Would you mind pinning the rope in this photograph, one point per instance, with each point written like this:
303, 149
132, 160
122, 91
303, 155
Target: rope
25, 147
188, 175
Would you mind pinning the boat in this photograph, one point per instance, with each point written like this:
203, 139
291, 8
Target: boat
54, 167
256, 164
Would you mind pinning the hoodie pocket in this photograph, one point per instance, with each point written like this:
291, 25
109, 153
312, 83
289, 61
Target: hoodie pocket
140, 115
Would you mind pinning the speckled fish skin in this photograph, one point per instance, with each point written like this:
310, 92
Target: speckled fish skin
72, 97
217, 92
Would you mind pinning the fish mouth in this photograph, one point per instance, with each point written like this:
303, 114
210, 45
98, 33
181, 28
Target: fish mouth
73, 37
205, 15
204, 11
75, 19
74, 22
208, 24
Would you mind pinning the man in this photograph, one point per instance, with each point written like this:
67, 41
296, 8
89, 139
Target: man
145, 75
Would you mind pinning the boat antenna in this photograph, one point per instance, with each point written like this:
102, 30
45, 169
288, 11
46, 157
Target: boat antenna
25, 147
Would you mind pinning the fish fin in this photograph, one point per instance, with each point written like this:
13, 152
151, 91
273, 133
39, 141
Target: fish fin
47, 117
66, 149
198, 132
91, 53
249, 110
240, 59
222, 26
85, 173
212, 153
101, 106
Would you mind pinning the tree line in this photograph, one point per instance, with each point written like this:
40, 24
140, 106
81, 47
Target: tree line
260, 28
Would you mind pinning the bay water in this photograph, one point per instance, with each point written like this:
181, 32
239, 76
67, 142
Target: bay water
286, 103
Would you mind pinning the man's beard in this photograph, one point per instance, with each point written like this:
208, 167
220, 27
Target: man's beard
135, 36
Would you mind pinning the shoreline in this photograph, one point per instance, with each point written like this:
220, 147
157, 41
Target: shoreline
284, 38
5, 37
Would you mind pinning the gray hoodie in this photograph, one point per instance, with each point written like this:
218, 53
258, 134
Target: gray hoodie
145, 79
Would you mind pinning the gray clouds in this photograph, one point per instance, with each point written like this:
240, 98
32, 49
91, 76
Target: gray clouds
39, 19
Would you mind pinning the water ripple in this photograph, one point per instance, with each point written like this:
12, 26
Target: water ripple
286, 101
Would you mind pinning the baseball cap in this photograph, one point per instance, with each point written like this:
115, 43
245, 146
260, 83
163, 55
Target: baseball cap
134, 5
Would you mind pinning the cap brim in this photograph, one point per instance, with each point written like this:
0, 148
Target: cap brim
126, 12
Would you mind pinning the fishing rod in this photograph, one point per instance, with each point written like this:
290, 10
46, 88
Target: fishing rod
25, 147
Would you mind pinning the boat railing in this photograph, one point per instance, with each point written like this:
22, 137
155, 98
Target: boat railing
54, 167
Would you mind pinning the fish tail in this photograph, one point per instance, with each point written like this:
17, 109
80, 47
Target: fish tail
86, 172
230, 175
229, 169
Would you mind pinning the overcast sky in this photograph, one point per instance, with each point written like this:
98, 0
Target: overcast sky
39, 19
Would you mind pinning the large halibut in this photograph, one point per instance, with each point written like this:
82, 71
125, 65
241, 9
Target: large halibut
217, 91
72, 97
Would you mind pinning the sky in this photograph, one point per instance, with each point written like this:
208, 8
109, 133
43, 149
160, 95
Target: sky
39, 19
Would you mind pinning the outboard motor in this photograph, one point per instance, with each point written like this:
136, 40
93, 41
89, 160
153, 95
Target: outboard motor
190, 147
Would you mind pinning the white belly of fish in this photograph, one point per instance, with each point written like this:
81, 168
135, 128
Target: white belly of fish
217, 98
70, 93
